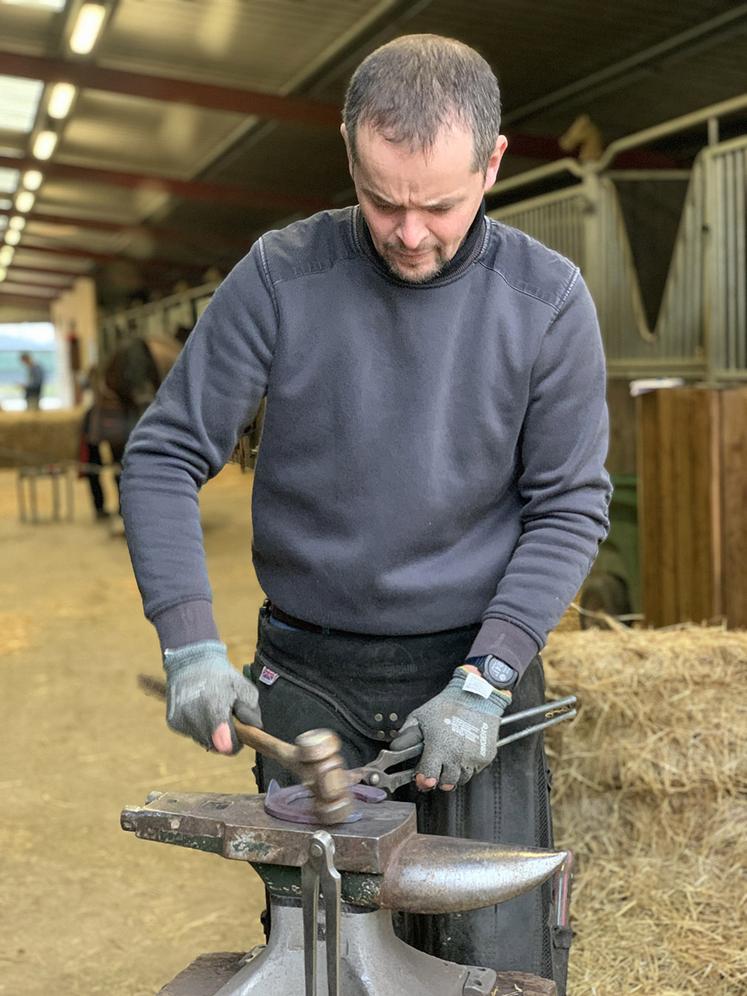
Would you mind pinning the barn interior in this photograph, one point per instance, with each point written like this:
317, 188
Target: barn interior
145, 145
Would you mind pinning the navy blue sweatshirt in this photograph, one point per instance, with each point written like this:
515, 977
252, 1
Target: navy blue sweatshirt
432, 455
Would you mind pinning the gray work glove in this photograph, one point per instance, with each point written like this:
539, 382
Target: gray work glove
203, 690
458, 727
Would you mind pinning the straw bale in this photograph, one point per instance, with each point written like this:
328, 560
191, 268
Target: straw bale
35, 438
663, 711
651, 795
660, 897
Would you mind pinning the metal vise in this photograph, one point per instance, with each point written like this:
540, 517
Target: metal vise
365, 869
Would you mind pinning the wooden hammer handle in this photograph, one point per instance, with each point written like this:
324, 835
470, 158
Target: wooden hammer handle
279, 750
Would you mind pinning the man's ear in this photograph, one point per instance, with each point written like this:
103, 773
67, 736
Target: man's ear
346, 140
495, 161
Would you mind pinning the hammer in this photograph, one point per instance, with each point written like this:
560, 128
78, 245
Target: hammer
315, 758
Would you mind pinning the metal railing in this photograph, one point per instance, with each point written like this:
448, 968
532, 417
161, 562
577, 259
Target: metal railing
157, 318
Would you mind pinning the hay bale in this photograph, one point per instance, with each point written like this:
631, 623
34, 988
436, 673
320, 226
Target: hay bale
651, 793
30, 439
663, 711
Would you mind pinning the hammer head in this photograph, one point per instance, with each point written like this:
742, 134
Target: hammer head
323, 770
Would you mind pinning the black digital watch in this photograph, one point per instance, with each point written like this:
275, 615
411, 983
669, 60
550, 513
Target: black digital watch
495, 671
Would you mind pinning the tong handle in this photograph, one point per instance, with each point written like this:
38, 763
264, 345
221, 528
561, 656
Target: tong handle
375, 773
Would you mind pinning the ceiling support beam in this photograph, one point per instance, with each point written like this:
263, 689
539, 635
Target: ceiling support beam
22, 299
541, 147
217, 193
181, 236
18, 279
48, 270
207, 95
101, 257
25, 290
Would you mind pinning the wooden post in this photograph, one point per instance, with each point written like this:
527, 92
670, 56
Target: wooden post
734, 505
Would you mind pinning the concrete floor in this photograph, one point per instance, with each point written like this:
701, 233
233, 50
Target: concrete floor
87, 909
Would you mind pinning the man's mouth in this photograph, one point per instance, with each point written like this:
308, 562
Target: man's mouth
413, 254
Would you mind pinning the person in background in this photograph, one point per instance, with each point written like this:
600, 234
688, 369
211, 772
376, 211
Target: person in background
34, 382
430, 489
105, 421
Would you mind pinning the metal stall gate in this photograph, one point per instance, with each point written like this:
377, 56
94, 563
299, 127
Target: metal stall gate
700, 330
159, 319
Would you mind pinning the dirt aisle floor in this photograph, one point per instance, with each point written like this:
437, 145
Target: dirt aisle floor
87, 909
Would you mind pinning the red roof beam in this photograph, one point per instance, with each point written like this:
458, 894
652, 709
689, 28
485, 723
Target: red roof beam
208, 95
101, 225
47, 270
218, 193
76, 253
29, 290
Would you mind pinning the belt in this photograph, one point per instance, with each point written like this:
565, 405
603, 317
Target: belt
310, 627
289, 620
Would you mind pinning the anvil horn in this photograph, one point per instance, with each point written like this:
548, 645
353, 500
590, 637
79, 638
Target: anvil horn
430, 874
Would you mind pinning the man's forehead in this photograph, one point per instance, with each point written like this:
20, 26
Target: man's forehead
396, 173
453, 138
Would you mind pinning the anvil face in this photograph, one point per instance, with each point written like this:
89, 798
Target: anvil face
238, 827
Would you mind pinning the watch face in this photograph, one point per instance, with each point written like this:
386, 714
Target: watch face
498, 672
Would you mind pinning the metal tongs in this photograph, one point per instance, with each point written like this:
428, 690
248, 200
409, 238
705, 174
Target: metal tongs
376, 772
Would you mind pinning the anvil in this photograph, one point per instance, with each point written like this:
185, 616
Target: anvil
385, 864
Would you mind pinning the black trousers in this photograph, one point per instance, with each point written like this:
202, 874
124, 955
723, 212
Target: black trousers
363, 688
94, 477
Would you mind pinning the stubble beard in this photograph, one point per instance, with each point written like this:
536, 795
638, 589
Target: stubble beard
408, 276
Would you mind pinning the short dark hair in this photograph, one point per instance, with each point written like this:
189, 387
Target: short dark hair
25, 356
414, 85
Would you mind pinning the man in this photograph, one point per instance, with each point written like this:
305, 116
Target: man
32, 389
429, 492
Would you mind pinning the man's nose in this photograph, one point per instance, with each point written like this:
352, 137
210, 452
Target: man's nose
411, 230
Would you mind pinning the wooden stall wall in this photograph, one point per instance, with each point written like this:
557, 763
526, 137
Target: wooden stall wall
692, 471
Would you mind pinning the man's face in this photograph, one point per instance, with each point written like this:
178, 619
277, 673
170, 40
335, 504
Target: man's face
419, 206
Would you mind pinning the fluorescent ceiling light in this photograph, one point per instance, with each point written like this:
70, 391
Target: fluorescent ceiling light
61, 100
32, 179
37, 4
44, 144
19, 101
17, 222
24, 201
6, 255
8, 180
12, 237
87, 27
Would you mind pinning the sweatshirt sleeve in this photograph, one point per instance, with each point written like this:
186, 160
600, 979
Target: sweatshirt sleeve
209, 397
563, 485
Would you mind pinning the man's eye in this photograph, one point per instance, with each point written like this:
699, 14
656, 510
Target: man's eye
440, 209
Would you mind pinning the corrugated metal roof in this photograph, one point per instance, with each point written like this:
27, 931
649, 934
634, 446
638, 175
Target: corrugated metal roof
628, 65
